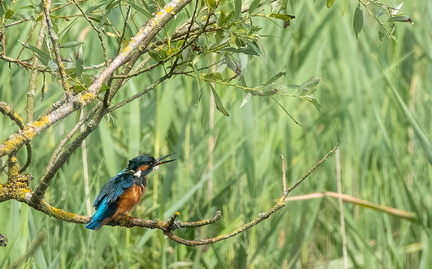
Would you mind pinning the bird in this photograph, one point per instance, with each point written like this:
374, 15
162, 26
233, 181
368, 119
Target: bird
121, 194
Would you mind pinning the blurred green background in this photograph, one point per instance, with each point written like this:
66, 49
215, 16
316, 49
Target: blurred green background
376, 104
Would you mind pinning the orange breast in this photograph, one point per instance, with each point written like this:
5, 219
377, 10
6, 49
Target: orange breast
129, 199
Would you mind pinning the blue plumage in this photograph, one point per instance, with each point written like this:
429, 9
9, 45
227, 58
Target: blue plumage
115, 187
106, 210
124, 191
105, 202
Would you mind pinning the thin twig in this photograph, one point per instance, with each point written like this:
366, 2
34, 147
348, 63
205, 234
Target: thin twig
260, 218
7, 110
7, 191
62, 158
66, 107
215, 218
46, 6
69, 136
98, 32
135, 96
312, 170
123, 32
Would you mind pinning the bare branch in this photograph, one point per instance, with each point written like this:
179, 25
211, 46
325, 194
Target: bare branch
62, 158
23, 194
25, 64
312, 170
132, 98
216, 217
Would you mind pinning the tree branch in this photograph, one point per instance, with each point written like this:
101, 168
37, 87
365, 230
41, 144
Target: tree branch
143, 38
261, 216
24, 194
7, 110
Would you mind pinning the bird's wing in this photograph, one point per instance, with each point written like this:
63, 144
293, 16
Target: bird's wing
114, 188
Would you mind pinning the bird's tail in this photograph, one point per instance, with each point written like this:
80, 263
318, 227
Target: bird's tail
94, 225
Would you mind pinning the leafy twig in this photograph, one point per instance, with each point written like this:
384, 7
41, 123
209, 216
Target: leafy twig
66, 107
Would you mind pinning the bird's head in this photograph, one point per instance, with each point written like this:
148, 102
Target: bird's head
144, 164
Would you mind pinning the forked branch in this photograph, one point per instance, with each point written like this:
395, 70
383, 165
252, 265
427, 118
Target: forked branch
169, 226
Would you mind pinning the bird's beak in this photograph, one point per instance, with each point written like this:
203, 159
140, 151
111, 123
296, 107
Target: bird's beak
159, 160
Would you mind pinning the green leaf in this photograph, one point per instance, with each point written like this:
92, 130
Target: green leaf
246, 99
43, 56
139, 9
71, 44
213, 76
225, 17
380, 35
9, 13
198, 94
232, 64
358, 20
268, 92
253, 6
401, 19
88, 80
284, 17
213, 4
78, 88
255, 48
330, 3
310, 83
107, 12
275, 77
158, 55
237, 8
313, 101
250, 49
218, 102
92, 8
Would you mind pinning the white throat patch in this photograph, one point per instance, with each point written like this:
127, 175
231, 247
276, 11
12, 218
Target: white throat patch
138, 173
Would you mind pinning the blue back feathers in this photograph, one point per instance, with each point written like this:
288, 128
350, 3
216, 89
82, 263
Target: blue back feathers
105, 204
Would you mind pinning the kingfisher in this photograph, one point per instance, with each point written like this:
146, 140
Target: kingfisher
124, 191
